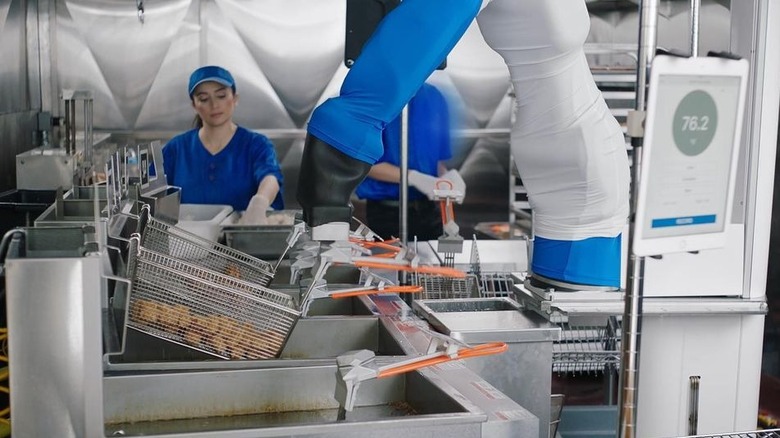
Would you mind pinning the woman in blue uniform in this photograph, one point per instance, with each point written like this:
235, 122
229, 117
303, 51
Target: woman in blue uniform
219, 162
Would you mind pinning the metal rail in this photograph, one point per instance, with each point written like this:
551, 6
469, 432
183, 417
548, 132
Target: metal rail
773, 433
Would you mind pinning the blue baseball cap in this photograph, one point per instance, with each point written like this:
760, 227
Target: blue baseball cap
211, 73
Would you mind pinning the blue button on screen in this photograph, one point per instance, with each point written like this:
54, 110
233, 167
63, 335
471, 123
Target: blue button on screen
682, 221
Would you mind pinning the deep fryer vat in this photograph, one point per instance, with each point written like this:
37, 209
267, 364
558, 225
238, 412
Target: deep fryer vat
214, 313
85, 192
280, 401
175, 242
69, 212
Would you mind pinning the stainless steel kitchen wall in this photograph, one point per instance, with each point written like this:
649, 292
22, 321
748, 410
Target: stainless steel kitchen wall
13, 68
287, 56
17, 94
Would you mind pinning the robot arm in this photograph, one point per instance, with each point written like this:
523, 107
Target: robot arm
344, 135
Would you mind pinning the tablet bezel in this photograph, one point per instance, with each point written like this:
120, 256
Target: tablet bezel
694, 67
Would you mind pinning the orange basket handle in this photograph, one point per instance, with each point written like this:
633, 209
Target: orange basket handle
390, 289
478, 350
437, 270
384, 245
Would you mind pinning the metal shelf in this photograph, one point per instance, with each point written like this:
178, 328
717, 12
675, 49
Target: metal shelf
587, 349
770, 433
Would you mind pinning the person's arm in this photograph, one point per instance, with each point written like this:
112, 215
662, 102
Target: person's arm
268, 188
255, 213
391, 173
267, 169
385, 172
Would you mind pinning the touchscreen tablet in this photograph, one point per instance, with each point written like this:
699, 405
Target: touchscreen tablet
689, 158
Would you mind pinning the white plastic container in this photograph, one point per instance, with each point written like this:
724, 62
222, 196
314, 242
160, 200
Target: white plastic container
203, 219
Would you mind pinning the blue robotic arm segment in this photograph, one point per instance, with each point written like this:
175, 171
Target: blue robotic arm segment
404, 50
345, 133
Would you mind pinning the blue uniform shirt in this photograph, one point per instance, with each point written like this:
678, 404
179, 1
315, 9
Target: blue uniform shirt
429, 143
230, 177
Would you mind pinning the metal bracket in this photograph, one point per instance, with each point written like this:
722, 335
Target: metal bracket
635, 123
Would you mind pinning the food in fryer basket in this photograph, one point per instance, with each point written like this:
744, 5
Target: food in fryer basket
219, 344
183, 316
140, 311
211, 324
147, 311
221, 334
244, 335
233, 271
168, 318
196, 334
193, 337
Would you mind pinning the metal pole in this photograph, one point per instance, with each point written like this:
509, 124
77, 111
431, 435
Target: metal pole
695, 6
403, 192
73, 127
67, 127
632, 315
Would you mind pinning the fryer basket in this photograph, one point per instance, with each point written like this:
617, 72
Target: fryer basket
177, 243
217, 314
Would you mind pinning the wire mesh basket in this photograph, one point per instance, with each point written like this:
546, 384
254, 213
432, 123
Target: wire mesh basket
175, 242
440, 287
217, 314
773, 433
587, 349
491, 284
495, 284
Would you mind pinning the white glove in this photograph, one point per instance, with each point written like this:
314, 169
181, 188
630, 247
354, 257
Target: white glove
422, 182
458, 184
255, 212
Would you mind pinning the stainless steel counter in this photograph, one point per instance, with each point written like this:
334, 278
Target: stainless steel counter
524, 371
61, 390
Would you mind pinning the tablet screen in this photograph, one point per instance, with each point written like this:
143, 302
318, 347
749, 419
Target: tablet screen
693, 135
692, 139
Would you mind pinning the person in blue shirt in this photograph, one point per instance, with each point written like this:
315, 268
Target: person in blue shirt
429, 148
219, 162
